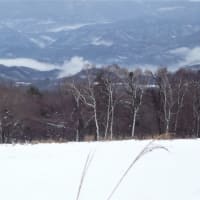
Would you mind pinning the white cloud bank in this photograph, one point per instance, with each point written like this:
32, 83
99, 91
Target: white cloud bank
68, 68
27, 62
190, 56
73, 66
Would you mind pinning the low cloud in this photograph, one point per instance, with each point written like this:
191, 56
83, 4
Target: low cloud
182, 51
189, 56
68, 68
73, 66
27, 62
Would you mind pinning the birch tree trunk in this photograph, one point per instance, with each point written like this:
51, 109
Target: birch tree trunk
197, 132
133, 124
107, 117
96, 122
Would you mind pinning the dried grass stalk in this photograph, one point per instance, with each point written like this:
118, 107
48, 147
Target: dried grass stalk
147, 149
85, 169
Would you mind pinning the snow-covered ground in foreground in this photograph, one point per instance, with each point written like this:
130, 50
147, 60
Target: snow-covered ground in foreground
53, 171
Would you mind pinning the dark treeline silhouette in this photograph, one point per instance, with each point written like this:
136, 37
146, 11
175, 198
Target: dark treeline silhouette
108, 103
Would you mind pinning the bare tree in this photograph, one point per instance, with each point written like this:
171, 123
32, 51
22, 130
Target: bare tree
77, 113
113, 97
180, 86
196, 106
86, 94
167, 97
134, 90
172, 90
110, 89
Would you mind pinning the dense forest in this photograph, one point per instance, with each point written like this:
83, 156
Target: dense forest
108, 103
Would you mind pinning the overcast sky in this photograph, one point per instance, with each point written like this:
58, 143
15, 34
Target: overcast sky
89, 0
92, 0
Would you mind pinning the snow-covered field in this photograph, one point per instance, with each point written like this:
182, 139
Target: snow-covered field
53, 171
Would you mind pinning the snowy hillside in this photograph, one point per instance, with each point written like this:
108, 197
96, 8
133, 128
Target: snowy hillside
53, 171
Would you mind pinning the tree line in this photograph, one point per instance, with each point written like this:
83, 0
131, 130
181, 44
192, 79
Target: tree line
104, 105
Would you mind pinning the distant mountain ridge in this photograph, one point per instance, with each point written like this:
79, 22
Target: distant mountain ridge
26, 74
128, 33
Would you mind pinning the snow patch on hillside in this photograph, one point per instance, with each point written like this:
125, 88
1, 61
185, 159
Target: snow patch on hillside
98, 41
170, 8
39, 43
68, 27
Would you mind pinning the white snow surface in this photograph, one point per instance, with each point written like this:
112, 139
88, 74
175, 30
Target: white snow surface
53, 171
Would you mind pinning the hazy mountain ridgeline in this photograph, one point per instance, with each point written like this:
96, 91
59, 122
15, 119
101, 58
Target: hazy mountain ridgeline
130, 33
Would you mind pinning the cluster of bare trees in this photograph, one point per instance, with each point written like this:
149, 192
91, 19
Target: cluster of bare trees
104, 105
141, 104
